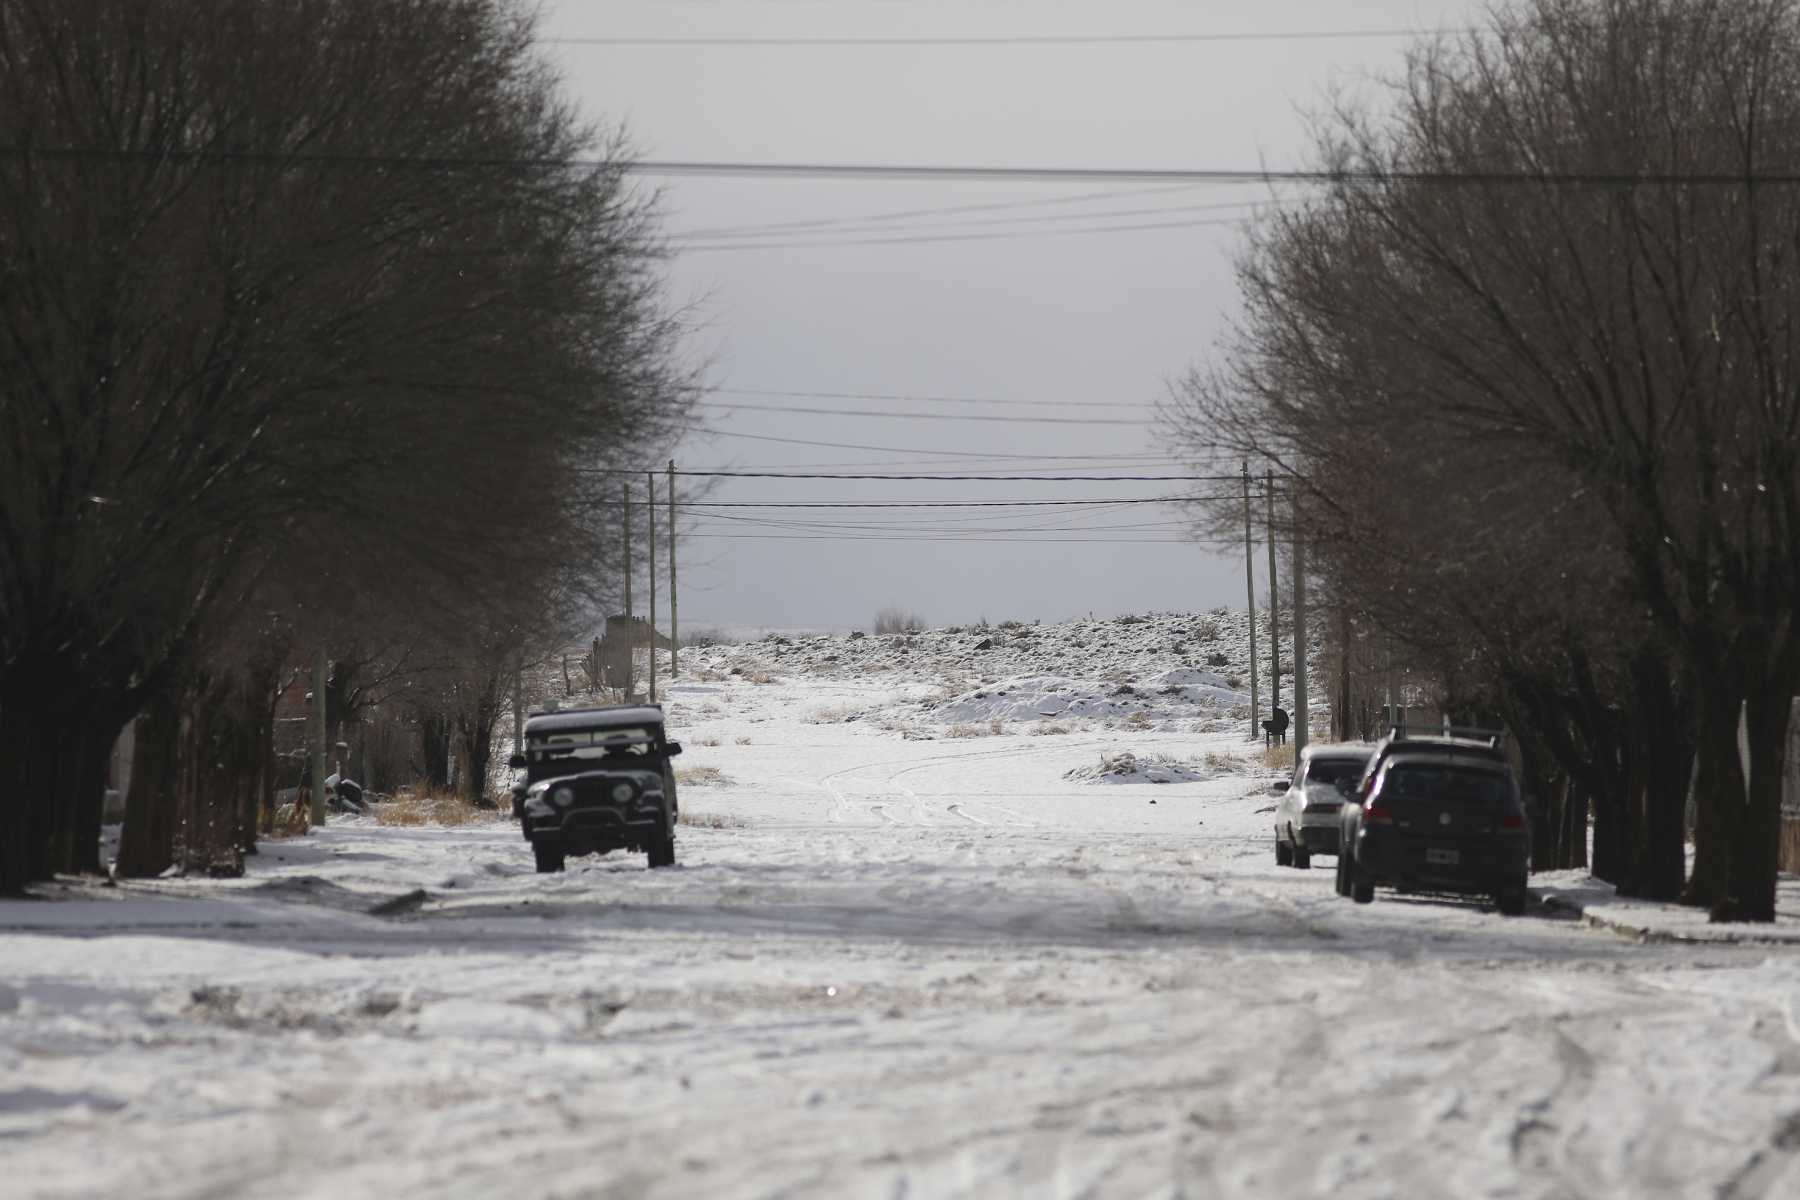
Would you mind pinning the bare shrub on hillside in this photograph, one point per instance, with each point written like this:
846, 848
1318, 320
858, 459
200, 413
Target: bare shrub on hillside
897, 620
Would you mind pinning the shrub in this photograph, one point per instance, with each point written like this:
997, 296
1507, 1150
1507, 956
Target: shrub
699, 776
416, 807
897, 620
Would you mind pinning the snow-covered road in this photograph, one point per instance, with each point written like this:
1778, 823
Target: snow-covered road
884, 967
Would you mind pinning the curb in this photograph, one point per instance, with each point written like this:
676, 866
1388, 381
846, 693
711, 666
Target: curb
1727, 936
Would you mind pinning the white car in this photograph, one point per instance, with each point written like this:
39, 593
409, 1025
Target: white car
1306, 816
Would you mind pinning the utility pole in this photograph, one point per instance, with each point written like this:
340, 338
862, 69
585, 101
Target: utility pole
1300, 696
1274, 605
650, 512
320, 670
519, 710
674, 632
1250, 588
630, 652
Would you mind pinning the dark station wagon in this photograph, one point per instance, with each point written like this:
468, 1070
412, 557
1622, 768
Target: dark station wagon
1437, 814
597, 779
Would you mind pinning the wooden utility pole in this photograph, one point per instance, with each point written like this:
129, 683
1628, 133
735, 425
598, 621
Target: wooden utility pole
650, 512
1300, 696
674, 630
1250, 588
1274, 601
320, 671
519, 710
630, 651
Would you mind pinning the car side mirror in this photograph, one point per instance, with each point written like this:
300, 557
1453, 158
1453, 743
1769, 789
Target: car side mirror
674, 749
516, 762
1279, 788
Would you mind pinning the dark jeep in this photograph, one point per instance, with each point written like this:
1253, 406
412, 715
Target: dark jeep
1437, 813
597, 779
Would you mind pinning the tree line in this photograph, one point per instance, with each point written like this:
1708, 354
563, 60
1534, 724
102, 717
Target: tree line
322, 323
1531, 368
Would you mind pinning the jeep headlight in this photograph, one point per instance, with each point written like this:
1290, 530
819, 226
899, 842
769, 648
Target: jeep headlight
622, 793
561, 797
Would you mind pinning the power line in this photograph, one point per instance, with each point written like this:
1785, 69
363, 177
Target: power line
1074, 39
937, 478
977, 454
950, 210
915, 239
1226, 175
836, 227
857, 537
290, 160
949, 503
914, 399
914, 416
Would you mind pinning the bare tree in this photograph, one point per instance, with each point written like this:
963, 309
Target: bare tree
1542, 330
304, 300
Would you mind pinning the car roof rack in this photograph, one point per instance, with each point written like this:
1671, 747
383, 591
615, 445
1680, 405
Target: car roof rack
1495, 738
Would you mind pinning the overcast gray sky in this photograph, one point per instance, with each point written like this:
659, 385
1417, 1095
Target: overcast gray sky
1042, 308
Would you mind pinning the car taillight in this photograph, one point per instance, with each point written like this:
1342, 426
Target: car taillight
1378, 813
1513, 821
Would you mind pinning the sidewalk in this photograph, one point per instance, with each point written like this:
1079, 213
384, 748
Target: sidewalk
1649, 920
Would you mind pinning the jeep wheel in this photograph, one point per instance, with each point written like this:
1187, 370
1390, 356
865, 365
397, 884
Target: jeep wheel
1511, 900
549, 856
1362, 888
1284, 853
661, 852
1302, 856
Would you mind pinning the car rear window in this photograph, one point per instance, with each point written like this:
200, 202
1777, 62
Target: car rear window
1448, 784
1341, 771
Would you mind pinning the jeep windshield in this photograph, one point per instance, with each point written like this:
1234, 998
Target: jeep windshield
591, 744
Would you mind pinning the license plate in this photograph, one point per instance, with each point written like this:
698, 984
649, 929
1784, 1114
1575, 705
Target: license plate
1448, 858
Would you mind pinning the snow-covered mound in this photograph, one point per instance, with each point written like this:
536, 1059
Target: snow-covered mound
1188, 671
1126, 767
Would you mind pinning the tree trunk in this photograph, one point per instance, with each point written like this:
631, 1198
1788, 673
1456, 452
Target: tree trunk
147, 843
1718, 801
1756, 855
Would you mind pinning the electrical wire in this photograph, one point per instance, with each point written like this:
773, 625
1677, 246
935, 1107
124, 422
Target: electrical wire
977, 454
849, 226
1073, 39
911, 399
906, 416
947, 503
917, 239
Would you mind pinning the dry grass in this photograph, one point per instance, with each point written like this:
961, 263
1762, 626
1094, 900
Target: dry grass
1138, 720
1277, 758
1044, 728
760, 677
834, 714
412, 806
700, 776
707, 742
1218, 762
707, 821
743, 739
963, 731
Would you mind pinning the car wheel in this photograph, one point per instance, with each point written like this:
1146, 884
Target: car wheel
1362, 888
1284, 853
549, 856
661, 852
1511, 900
1338, 876
1302, 857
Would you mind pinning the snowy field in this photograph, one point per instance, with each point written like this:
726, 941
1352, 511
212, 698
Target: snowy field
892, 962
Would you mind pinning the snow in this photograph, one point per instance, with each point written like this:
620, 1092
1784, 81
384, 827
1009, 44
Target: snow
901, 955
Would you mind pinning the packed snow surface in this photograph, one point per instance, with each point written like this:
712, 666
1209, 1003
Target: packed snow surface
904, 955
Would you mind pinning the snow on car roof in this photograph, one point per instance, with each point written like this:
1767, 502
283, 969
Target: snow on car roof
612, 717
